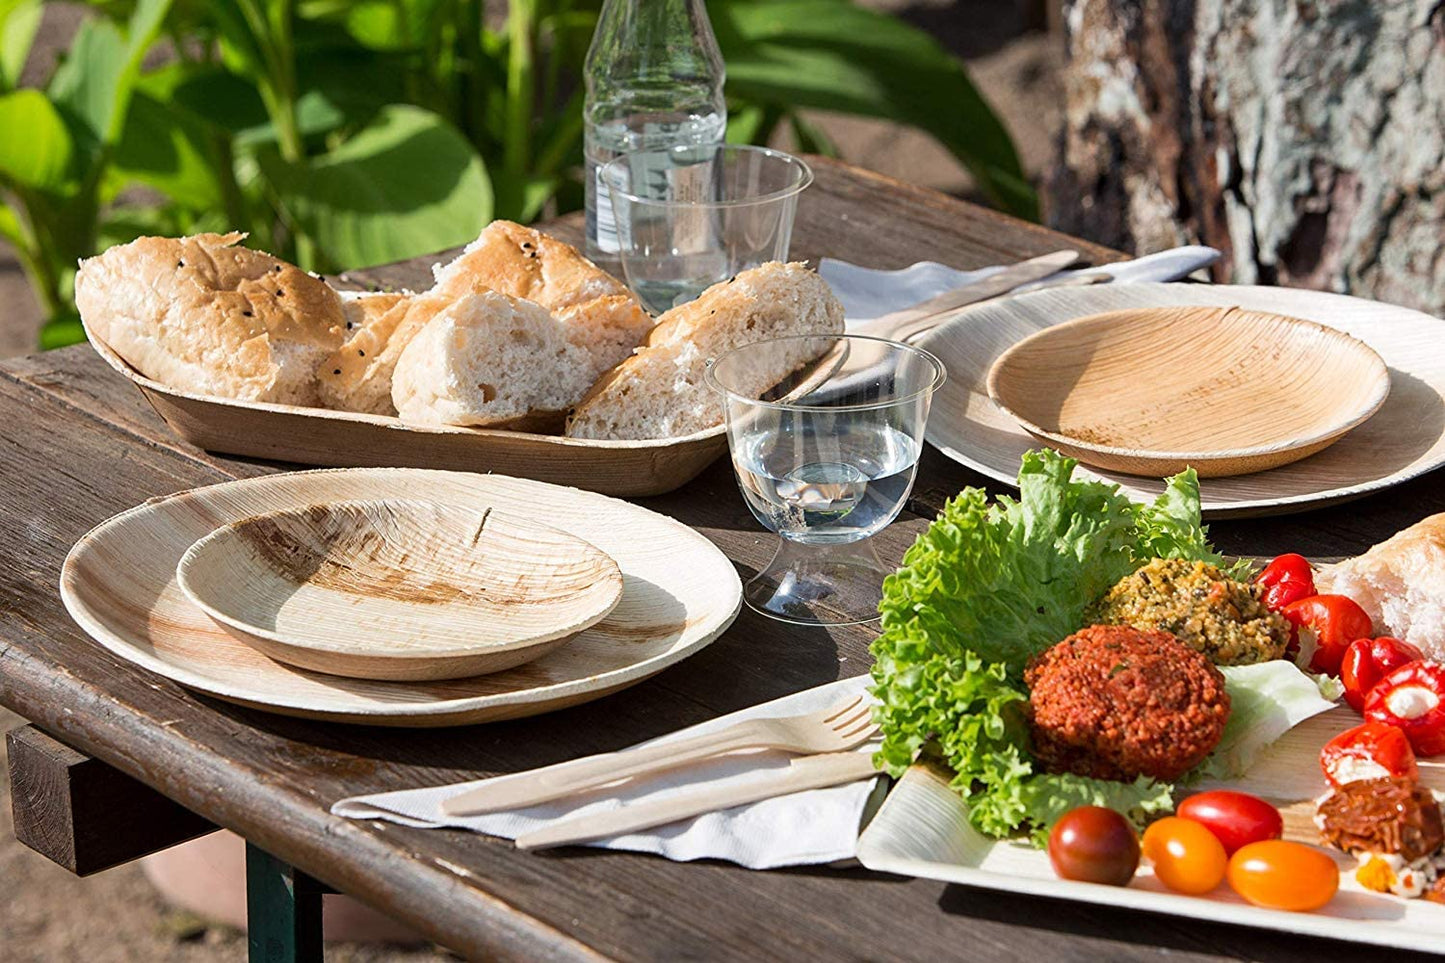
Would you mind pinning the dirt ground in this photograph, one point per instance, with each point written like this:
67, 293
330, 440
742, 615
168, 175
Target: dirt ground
47, 915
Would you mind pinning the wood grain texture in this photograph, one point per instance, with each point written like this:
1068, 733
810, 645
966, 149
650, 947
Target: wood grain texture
397, 589
1403, 439
83, 814
119, 582
78, 444
1153, 391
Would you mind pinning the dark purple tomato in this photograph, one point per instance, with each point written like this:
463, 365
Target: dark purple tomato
1093, 844
1237, 818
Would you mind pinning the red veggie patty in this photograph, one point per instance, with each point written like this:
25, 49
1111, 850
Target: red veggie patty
1115, 702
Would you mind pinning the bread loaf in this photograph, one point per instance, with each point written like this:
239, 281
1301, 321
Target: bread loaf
659, 392
600, 315
490, 359
206, 315
1400, 583
357, 376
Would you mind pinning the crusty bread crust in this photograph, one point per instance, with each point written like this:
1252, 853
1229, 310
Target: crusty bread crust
602, 316
660, 392
525, 263
1400, 583
205, 314
357, 376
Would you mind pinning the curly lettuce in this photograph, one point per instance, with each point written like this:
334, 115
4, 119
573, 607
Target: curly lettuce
984, 589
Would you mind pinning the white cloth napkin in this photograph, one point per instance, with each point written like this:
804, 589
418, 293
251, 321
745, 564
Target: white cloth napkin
867, 293
806, 828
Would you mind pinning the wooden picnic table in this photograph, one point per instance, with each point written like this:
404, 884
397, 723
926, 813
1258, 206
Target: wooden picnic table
78, 444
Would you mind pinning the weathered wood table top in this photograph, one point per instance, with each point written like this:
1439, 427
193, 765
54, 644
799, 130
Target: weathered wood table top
78, 444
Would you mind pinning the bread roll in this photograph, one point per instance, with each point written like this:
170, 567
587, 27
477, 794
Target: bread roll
1400, 583
206, 315
489, 359
601, 316
659, 392
357, 376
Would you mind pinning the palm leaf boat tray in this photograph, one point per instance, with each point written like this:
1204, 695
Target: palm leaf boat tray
345, 439
923, 830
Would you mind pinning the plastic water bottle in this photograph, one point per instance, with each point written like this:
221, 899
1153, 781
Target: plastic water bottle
654, 82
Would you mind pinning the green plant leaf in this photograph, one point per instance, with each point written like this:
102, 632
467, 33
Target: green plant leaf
98, 75
10, 228
217, 97
36, 151
811, 138
753, 123
168, 150
61, 331
19, 19
84, 82
520, 199
833, 55
407, 184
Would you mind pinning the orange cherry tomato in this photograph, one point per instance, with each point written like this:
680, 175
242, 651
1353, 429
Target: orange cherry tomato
1278, 874
1187, 857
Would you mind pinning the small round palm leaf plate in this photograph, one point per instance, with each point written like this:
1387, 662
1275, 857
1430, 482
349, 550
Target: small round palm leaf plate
1224, 390
399, 589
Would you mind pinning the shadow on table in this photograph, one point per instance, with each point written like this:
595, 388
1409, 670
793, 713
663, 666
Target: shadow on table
1150, 929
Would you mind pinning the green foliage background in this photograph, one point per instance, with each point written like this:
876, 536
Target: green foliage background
346, 133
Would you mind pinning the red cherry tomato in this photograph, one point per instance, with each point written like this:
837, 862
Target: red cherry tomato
1367, 661
1187, 857
1236, 818
1336, 622
1095, 845
1285, 876
1369, 751
1412, 700
1287, 579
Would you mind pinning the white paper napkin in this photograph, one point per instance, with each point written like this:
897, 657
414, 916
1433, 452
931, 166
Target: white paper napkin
806, 828
867, 293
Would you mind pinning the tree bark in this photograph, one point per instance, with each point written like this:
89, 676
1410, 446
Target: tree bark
1303, 138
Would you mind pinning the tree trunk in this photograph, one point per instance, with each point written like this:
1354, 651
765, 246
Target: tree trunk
1303, 138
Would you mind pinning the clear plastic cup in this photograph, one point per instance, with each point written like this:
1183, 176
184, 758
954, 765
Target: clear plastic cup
826, 460
689, 217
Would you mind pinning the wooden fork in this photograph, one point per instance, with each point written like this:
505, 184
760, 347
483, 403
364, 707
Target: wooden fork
839, 727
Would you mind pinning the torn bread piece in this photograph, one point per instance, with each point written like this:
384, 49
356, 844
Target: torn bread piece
1400, 583
600, 314
490, 360
206, 315
357, 376
659, 392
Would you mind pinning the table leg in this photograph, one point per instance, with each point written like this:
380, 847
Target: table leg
283, 911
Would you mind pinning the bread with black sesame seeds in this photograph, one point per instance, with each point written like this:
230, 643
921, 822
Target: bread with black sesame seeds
206, 315
600, 314
357, 376
659, 392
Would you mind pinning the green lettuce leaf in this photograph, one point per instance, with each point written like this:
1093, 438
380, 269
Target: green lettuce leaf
1266, 700
987, 587
1048, 797
1007, 581
1170, 528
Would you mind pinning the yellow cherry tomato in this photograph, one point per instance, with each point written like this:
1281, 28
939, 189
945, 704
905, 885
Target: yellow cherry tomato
1187, 857
1282, 875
